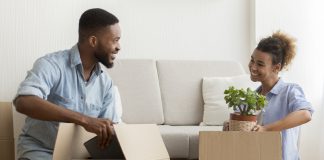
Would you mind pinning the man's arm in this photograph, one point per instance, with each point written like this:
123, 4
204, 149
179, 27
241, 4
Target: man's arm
291, 120
38, 108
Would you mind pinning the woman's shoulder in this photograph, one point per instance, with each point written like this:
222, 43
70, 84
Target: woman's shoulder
294, 90
293, 86
289, 87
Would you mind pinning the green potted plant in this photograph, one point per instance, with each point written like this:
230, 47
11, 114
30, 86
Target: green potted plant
245, 104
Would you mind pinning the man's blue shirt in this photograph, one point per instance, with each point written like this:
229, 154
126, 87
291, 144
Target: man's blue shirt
283, 99
58, 78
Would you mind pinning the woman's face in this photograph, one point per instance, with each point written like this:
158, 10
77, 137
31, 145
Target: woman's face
261, 67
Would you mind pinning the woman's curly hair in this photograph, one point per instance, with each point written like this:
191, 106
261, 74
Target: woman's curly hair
280, 46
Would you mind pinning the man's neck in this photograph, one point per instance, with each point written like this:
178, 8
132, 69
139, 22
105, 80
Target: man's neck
88, 63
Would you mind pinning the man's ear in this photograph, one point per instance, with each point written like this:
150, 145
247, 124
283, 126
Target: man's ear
92, 41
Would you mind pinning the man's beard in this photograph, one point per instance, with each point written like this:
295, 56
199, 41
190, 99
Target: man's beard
102, 57
105, 61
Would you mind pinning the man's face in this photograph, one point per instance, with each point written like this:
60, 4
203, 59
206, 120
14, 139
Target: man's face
108, 45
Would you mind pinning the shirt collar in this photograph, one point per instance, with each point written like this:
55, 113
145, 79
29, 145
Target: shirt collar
75, 56
277, 87
98, 69
75, 59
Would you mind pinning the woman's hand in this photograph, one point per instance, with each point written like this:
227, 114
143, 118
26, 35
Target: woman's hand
293, 119
259, 128
226, 126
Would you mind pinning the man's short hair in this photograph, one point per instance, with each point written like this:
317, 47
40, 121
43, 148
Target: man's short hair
93, 20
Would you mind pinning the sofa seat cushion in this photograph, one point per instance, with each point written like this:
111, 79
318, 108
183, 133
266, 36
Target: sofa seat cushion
175, 140
183, 141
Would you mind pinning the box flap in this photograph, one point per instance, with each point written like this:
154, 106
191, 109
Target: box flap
69, 142
141, 142
138, 142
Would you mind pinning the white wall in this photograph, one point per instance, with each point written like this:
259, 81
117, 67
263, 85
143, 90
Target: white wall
304, 20
172, 29
160, 29
321, 148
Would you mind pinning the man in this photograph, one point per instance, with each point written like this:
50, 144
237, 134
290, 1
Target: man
69, 86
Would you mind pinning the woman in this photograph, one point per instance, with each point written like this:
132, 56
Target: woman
287, 106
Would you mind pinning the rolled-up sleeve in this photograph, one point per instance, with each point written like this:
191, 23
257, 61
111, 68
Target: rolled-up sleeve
39, 80
297, 100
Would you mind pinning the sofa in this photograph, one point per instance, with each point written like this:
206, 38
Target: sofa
167, 93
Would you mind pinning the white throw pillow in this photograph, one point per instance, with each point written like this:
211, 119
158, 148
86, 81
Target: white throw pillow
118, 104
216, 110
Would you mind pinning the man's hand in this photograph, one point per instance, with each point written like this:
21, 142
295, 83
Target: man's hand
38, 108
102, 127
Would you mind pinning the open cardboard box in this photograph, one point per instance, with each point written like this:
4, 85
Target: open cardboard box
234, 145
137, 141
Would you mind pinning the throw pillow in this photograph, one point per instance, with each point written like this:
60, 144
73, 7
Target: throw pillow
216, 110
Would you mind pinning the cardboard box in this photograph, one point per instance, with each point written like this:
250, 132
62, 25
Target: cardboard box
6, 127
6, 131
234, 145
137, 141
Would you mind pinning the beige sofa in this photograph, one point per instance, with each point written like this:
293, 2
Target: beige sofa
167, 93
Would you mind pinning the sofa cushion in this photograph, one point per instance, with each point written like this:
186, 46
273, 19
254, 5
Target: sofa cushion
175, 140
180, 83
138, 85
216, 110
